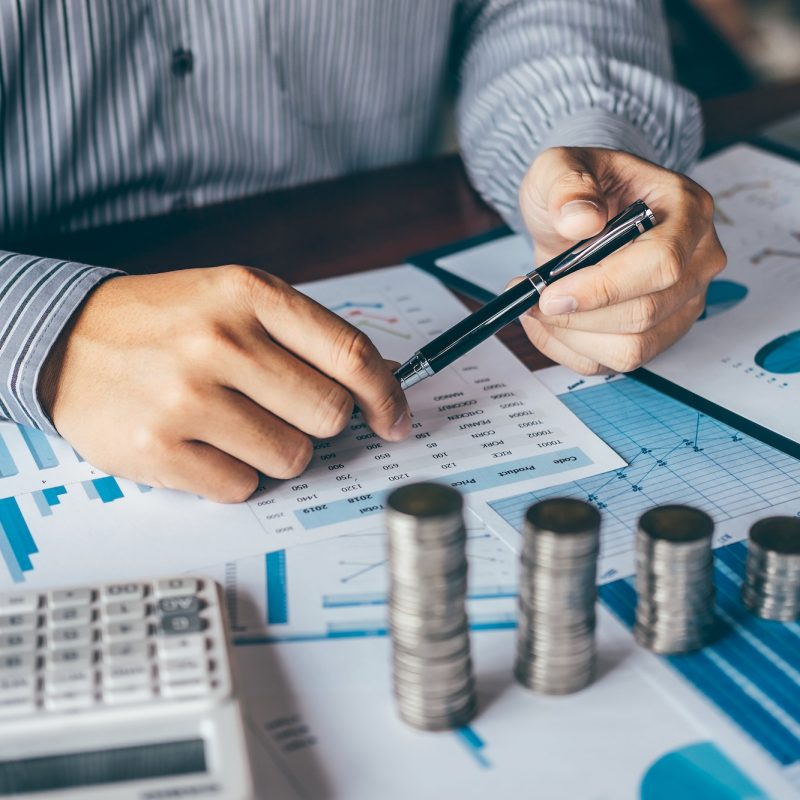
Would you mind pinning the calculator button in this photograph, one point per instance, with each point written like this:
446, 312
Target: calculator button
117, 675
18, 603
70, 617
183, 668
188, 687
70, 680
127, 651
178, 646
16, 642
67, 598
71, 657
62, 638
176, 624
169, 587
69, 701
18, 622
128, 694
122, 591
17, 706
125, 631
129, 609
18, 662
17, 686
181, 604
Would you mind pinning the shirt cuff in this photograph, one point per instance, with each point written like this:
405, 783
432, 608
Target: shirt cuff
38, 298
597, 128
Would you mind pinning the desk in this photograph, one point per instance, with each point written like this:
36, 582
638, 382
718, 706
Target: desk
348, 225
353, 223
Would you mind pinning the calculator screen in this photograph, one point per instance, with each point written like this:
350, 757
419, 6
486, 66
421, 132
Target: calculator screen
160, 760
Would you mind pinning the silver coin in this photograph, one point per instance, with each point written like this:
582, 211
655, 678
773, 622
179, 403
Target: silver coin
428, 722
433, 648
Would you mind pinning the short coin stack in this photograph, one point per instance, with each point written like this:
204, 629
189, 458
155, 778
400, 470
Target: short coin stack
557, 594
674, 579
772, 586
433, 680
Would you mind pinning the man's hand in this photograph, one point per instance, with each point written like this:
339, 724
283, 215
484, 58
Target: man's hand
195, 380
618, 314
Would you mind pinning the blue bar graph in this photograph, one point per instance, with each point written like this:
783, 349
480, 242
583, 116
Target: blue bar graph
40, 448
750, 671
474, 744
108, 489
45, 499
41, 503
277, 597
7, 465
16, 542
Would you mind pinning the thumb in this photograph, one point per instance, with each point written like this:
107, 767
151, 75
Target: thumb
574, 203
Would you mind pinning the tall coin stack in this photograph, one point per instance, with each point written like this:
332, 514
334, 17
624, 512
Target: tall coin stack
557, 594
674, 580
772, 585
432, 668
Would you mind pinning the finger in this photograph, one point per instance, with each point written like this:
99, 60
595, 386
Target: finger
561, 199
627, 352
235, 425
543, 340
647, 266
199, 468
645, 311
289, 388
655, 262
335, 348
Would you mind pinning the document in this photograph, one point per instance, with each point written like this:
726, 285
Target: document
744, 353
483, 425
310, 630
674, 454
322, 723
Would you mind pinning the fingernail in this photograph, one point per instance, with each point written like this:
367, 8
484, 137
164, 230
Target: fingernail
401, 427
578, 207
560, 304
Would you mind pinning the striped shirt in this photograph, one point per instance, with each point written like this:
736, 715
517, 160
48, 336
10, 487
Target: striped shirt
112, 110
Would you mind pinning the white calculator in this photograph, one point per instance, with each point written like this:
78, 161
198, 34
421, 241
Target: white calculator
120, 690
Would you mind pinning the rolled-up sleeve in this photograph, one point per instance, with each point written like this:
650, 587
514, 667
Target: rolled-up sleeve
38, 297
542, 73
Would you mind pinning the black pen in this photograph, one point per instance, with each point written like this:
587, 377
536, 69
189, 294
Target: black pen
506, 307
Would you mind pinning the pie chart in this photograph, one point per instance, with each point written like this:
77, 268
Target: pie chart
722, 296
781, 355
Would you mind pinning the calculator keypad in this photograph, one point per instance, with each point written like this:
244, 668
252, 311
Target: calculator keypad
123, 643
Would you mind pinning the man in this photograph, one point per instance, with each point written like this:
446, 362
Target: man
198, 379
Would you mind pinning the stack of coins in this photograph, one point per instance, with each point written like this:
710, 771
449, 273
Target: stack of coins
772, 585
674, 580
432, 668
557, 594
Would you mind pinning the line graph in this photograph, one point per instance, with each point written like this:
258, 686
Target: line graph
772, 252
269, 599
361, 313
675, 455
355, 304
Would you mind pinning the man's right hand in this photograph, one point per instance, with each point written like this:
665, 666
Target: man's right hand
198, 379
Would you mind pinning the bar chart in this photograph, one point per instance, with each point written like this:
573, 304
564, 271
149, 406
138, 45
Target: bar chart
751, 672
17, 543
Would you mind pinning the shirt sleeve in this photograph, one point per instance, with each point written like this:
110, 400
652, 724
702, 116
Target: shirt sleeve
541, 73
38, 297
